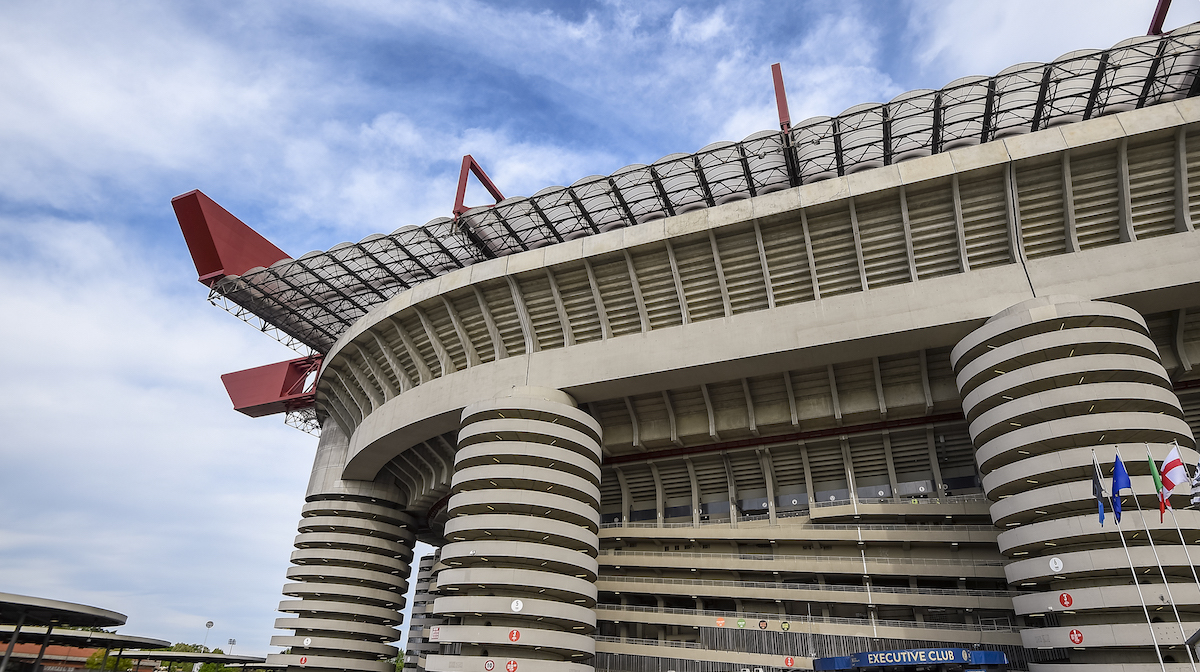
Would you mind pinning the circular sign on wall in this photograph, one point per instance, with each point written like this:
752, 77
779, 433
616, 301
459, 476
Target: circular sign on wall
1065, 599
785, 626
1076, 636
303, 660
1056, 564
517, 605
307, 641
720, 622
514, 635
489, 665
741, 622
762, 625
789, 661
511, 666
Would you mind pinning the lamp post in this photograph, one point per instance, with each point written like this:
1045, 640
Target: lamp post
232, 643
207, 628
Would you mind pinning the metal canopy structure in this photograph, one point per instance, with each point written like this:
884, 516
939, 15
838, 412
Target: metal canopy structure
40, 611
81, 638
308, 302
192, 657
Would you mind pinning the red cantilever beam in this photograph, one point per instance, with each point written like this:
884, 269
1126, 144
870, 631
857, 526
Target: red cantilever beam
274, 388
220, 243
1160, 15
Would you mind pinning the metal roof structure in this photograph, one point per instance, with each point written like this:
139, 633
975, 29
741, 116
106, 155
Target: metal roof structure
81, 638
41, 611
307, 302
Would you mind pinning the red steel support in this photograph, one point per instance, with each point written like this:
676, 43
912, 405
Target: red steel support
470, 164
1160, 15
220, 243
274, 388
781, 104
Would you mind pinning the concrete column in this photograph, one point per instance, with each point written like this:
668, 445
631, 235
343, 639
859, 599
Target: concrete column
1049, 386
520, 562
351, 568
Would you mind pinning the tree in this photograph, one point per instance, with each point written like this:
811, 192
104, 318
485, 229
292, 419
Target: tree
94, 660
199, 648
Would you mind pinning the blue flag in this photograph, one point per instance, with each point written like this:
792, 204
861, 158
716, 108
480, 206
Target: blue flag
1120, 481
1098, 489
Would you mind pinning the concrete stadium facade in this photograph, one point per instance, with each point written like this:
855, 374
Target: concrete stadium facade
853, 414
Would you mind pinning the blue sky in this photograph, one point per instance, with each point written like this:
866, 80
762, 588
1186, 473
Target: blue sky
126, 480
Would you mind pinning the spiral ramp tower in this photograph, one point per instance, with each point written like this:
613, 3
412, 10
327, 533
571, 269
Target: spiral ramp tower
350, 573
422, 619
1044, 384
519, 571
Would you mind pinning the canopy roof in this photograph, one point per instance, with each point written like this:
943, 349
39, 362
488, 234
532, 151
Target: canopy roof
307, 302
192, 657
41, 611
80, 638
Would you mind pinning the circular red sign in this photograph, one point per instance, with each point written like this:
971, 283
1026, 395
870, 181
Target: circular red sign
514, 635
303, 660
489, 665
1076, 637
511, 666
1065, 599
789, 661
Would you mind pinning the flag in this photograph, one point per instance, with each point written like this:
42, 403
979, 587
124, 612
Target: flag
1196, 487
1173, 472
1158, 487
1120, 481
1097, 487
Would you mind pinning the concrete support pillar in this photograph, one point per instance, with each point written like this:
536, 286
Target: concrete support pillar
520, 562
1050, 386
351, 567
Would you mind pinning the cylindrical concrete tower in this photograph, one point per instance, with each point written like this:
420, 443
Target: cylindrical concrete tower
351, 569
1044, 384
520, 567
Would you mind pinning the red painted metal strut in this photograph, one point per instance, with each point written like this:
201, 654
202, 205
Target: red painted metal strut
220, 243
469, 164
781, 104
1160, 15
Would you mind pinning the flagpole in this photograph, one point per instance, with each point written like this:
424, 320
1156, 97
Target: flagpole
1137, 584
1162, 572
1178, 529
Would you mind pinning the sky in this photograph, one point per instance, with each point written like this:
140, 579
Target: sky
126, 479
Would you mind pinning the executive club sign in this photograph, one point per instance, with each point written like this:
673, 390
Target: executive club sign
909, 657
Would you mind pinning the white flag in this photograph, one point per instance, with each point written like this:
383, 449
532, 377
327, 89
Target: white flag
1173, 472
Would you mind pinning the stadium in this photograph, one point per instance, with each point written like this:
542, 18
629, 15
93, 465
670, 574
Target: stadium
827, 397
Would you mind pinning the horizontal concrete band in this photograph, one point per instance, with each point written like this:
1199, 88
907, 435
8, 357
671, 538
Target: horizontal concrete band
1112, 635
443, 663
526, 502
330, 663
529, 638
325, 507
1077, 496
811, 592
341, 591
535, 408
524, 527
1029, 409
1077, 431
522, 580
346, 524
805, 564
1078, 461
333, 610
975, 534
335, 644
507, 553
1086, 528
1038, 375
1104, 562
1044, 315
363, 629
525, 477
525, 452
362, 543
1033, 349
336, 573
531, 431
1109, 597
374, 561
532, 610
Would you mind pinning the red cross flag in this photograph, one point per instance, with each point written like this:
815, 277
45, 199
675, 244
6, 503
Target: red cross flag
1173, 473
